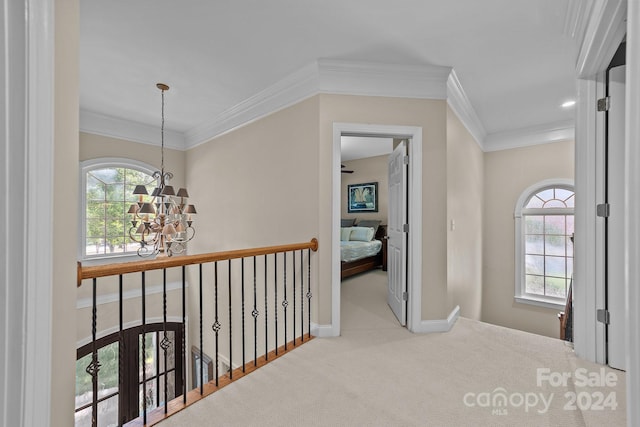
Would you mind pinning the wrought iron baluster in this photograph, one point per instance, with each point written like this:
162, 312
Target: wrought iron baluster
94, 367
266, 320
165, 341
216, 323
121, 351
285, 303
301, 296
242, 297
201, 337
230, 329
309, 290
144, 350
275, 299
255, 314
184, 335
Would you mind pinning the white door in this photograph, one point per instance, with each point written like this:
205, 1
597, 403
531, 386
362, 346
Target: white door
615, 221
397, 237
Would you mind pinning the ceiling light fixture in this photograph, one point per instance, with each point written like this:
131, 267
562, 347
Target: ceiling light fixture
568, 104
164, 217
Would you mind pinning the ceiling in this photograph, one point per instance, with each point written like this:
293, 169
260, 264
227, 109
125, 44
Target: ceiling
515, 59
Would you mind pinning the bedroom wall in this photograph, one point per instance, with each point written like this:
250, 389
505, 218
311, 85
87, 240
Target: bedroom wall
507, 174
465, 199
372, 169
431, 116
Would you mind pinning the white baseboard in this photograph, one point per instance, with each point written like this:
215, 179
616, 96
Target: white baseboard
440, 325
323, 331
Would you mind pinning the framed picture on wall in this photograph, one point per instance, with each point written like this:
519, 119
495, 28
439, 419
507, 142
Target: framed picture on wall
362, 197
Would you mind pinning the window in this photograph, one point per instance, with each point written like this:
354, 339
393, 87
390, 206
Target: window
120, 394
544, 248
107, 187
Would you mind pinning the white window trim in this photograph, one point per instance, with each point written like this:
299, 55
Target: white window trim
85, 166
521, 296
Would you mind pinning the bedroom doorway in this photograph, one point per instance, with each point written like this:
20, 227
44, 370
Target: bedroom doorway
411, 299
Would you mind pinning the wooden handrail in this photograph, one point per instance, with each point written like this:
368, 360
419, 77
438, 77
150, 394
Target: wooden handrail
91, 272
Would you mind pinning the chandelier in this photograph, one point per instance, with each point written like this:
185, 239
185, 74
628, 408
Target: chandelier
161, 225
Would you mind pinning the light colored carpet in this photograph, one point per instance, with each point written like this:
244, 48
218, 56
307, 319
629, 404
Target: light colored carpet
379, 374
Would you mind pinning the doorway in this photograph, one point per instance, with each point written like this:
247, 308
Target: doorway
414, 236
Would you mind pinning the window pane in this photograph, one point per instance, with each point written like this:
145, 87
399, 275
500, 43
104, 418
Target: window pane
84, 384
571, 202
95, 209
95, 188
534, 284
570, 225
554, 224
108, 374
534, 224
534, 264
569, 246
534, 245
555, 287
555, 203
149, 395
106, 175
108, 412
562, 194
546, 194
83, 418
534, 202
555, 266
150, 355
555, 245
115, 192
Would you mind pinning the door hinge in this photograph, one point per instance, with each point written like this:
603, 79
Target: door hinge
405, 296
405, 160
405, 228
603, 210
603, 104
603, 316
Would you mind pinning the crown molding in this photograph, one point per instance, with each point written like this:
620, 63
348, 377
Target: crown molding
380, 79
328, 76
536, 135
113, 127
290, 90
605, 28
461, 106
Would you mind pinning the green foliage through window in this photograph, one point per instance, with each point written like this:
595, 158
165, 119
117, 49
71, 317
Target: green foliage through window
109, 193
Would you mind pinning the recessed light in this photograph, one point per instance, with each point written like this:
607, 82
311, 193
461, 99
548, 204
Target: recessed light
569, 104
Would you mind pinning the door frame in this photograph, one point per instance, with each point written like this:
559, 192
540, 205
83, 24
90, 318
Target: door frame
414, 273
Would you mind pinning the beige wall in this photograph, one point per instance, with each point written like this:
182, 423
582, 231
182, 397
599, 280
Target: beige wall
465, 197
372, 169
507, 174
254, 187
65, 218
430, 115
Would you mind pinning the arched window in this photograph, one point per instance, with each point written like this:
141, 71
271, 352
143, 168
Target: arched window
544, 248
106, 193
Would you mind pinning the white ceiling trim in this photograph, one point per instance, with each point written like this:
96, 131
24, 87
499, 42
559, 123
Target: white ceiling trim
605, 30
335, 77
114, 127
328, 76
461, 106
536, 135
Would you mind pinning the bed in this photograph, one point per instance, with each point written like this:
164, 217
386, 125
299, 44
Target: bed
361, 254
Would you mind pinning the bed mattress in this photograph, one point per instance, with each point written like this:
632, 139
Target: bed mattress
353, 250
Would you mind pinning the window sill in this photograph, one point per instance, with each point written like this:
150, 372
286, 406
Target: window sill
540, 302
112, 259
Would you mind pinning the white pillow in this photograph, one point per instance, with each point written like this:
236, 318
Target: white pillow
345, 233
362, 234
